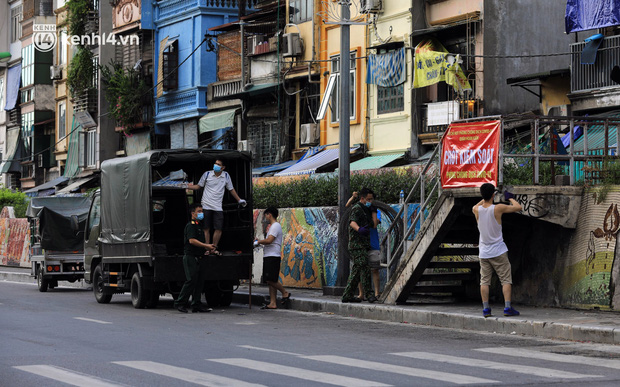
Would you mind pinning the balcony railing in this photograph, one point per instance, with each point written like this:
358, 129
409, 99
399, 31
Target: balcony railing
224, 89
586, 77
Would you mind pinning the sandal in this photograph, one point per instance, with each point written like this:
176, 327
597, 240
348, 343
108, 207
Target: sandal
267, 307
286, 299
215, 252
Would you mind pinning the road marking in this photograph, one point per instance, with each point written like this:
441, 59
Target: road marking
246, 323
186, 374
299, 373
92, 320
66, 376
270, 350
529, 370
574, 359
396, 369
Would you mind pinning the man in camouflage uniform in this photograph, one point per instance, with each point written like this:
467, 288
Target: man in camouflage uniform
360, 222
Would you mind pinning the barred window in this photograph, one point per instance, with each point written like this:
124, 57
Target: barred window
301, 11
390, 99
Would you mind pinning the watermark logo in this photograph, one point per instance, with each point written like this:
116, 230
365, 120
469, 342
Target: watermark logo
44, 37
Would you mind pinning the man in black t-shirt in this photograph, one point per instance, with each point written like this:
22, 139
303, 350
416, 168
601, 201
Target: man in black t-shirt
194, 250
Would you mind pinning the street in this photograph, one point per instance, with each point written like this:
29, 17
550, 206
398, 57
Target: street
64, 337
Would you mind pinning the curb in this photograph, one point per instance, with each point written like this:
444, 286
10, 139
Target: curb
502, 325
25, 277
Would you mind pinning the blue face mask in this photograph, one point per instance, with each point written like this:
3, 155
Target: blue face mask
368, 204
217, 168
200, 216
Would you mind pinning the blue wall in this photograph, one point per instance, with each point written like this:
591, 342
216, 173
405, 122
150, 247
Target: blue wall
187, 21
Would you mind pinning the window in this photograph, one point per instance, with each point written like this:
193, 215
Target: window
336, 94
26, 95
94, 215
62, 47
90, 156
62, 119
27, 132
16, 28
28, 65
1, 93
390, 99
301, 10
95, 83
170, 63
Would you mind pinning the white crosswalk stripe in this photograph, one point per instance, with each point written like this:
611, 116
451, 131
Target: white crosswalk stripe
66, 376
299, 373
573, 359
529, 370
186, 374
409, 371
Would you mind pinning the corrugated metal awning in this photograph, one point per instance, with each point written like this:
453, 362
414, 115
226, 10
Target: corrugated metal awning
311, 164
374, 162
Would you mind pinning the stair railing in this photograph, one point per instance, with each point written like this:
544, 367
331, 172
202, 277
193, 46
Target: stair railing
393, 257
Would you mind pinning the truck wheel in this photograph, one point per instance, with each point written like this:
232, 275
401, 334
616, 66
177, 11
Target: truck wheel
226, 293
42, 283
139, 295
153, 299
98, 287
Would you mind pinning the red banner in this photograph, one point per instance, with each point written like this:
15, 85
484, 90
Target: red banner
469, 155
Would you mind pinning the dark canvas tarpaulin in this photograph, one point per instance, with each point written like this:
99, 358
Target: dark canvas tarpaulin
125, 199
54, 215
584, 15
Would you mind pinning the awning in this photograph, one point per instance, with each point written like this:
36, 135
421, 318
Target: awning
222, 119
259, 89
12, 86
374, 162
311, 164
14, 152
77, 185
46, 186
272, 168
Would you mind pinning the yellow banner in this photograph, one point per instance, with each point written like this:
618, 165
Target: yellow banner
434, 64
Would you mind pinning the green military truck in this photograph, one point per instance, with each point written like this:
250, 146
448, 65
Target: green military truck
134, 231
56, 246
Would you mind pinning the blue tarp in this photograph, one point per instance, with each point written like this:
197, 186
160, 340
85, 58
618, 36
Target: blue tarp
584, 15
272, 168
12, 86
577, 132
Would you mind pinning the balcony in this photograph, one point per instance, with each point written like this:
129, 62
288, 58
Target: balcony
171, 8
223, 89
85, 101
598, 75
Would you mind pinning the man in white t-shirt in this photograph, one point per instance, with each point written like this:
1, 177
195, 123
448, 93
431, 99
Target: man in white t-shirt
271, 259
215, 183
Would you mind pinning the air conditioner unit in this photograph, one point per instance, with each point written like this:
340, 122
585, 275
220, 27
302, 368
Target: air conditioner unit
291, 45
309, 134
242, 145
371, 6
56, 72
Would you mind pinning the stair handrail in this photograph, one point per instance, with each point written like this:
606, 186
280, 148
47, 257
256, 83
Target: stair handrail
403, 211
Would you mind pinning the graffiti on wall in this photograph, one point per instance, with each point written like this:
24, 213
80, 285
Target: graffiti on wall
534, 207
14, 238
310, 244
586, 272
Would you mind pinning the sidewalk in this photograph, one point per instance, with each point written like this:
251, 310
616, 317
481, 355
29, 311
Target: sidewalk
550, 323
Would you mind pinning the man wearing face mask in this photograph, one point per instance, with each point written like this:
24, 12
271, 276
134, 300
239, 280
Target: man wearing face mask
195, 248
215, 183
360, 222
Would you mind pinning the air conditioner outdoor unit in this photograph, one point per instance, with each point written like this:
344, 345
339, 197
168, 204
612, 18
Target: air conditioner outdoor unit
56, 72
291, 45
242, 145
310, 134
370, 6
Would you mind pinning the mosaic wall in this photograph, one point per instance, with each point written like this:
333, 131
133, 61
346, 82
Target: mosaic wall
585, 273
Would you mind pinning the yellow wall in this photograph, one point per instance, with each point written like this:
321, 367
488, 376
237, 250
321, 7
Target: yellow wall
62, 94
391, 132
554, 93
330, 46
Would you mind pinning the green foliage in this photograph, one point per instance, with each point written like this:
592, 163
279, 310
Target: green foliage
77, 16
323, 191
125, 91
81, 70
15, 199
610, 176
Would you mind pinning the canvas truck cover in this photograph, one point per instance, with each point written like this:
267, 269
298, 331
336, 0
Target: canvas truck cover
126, 187
54, 215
